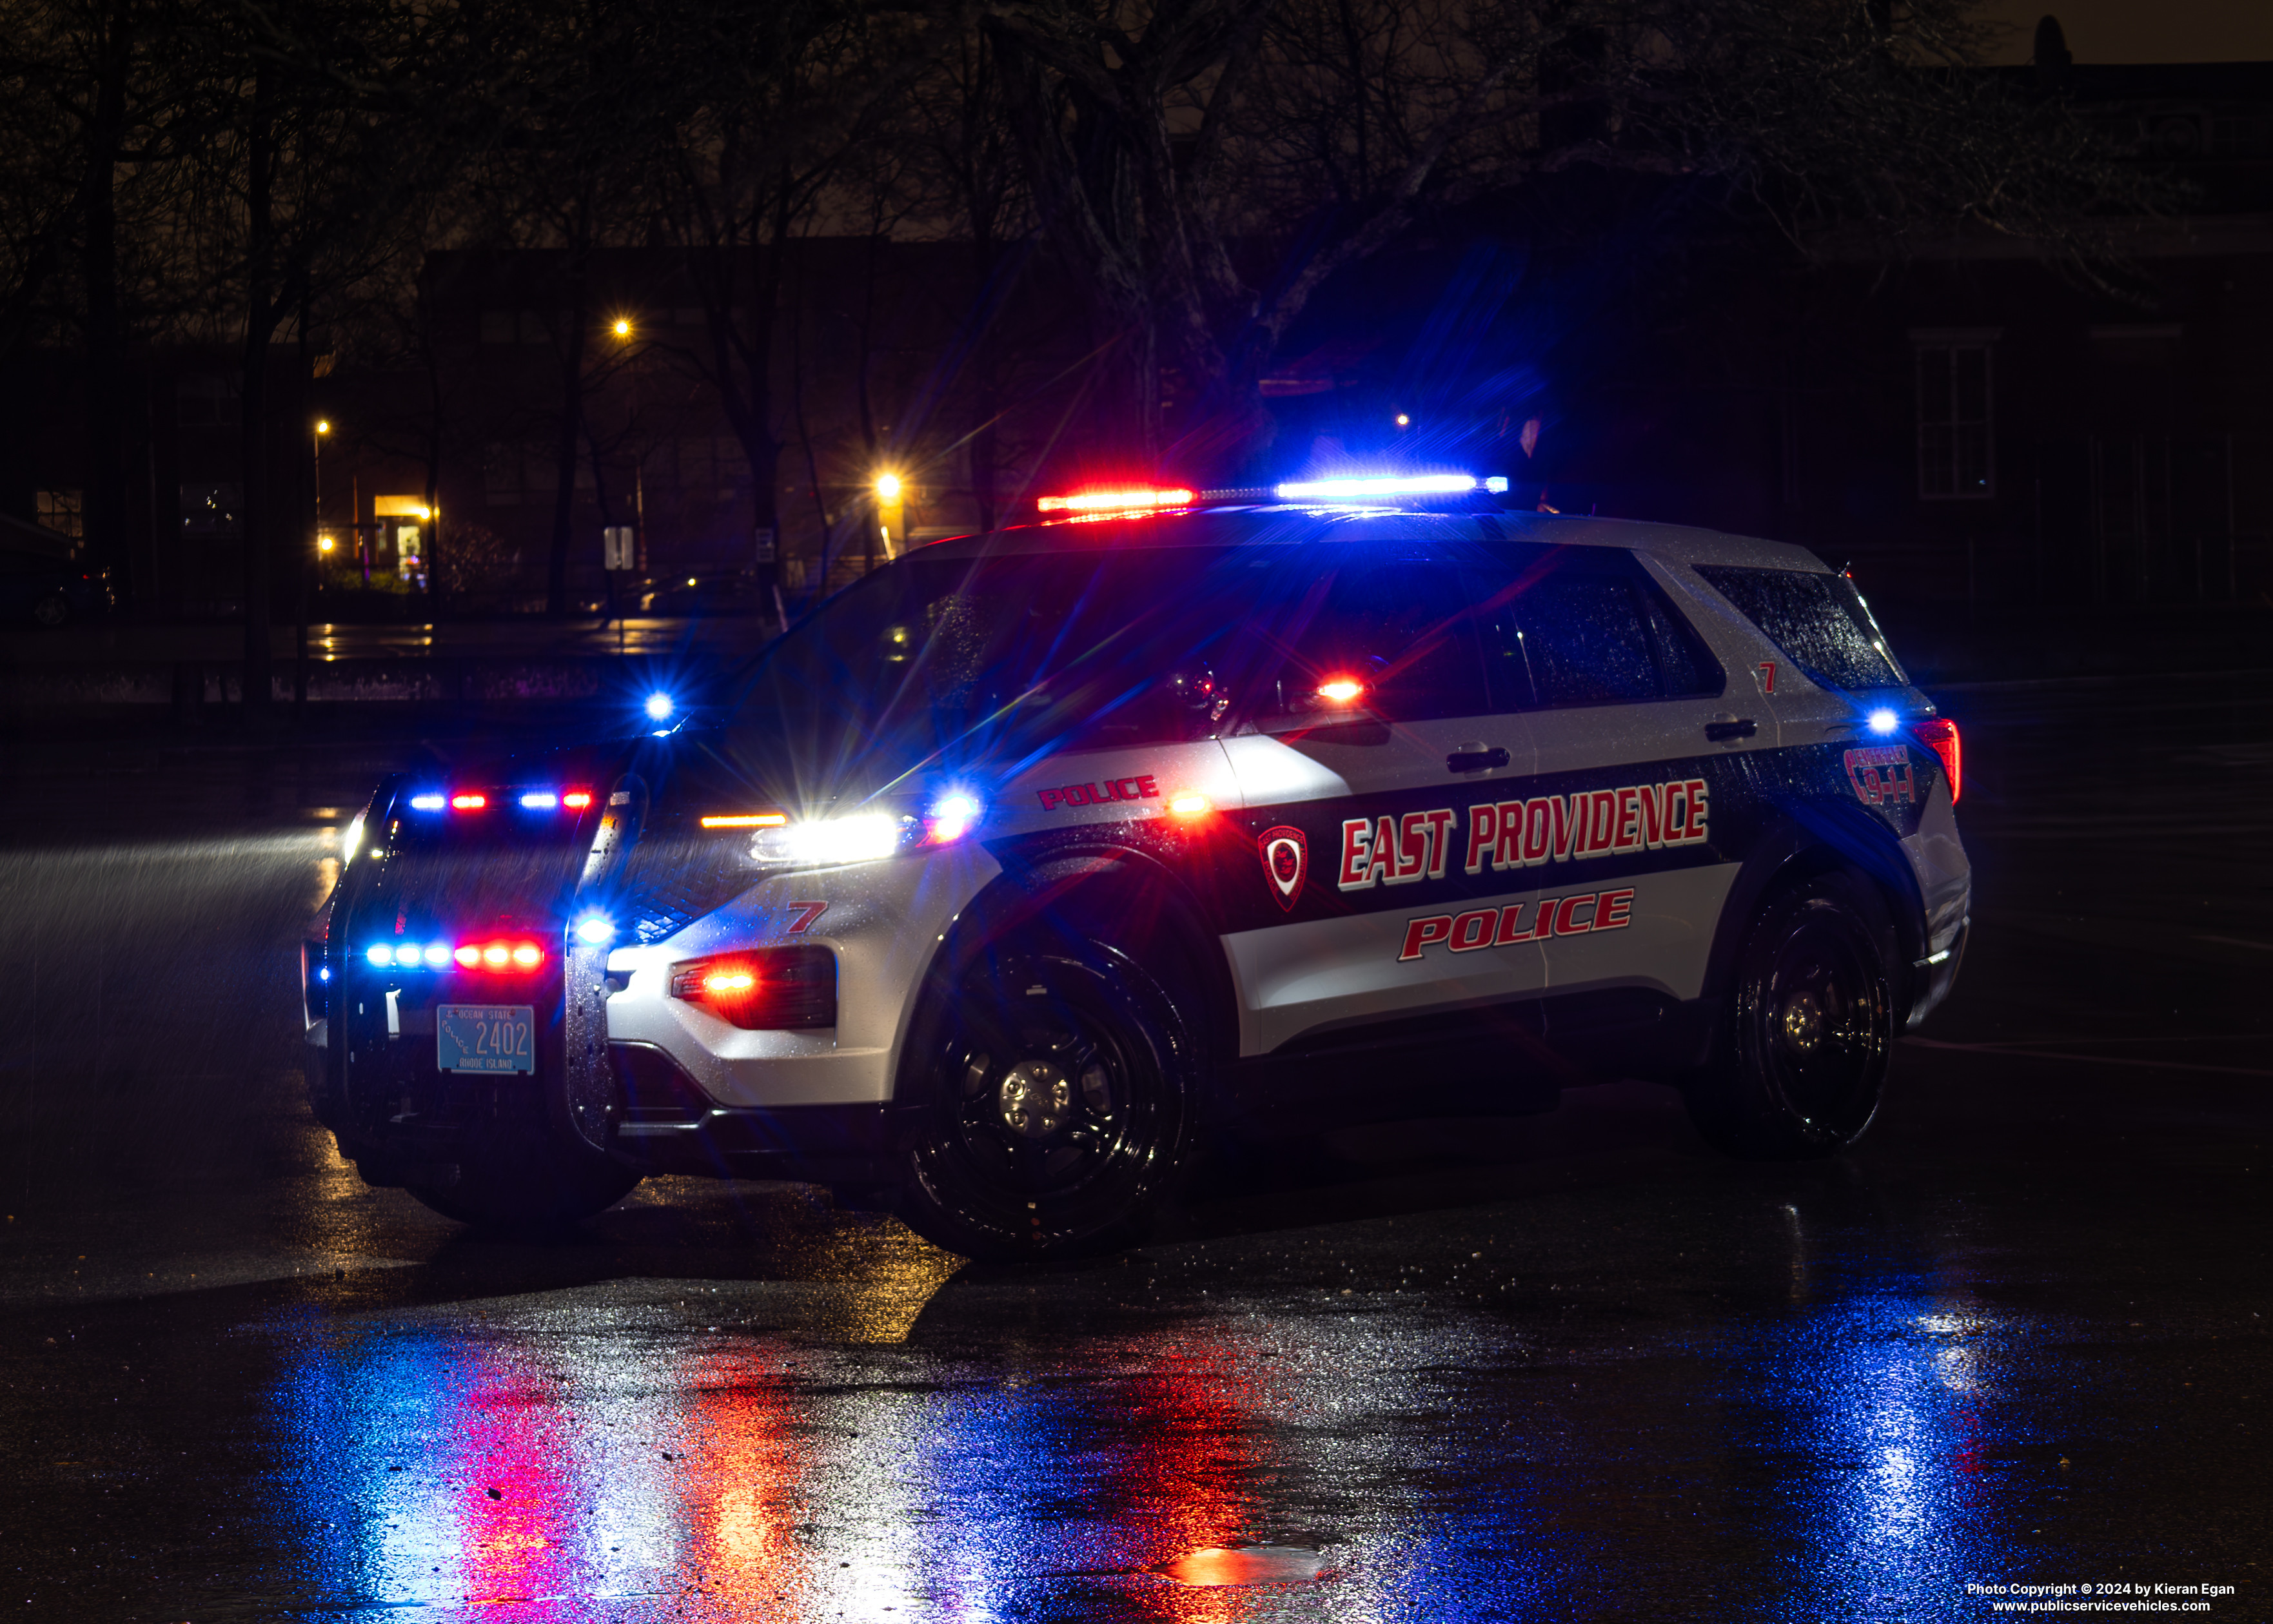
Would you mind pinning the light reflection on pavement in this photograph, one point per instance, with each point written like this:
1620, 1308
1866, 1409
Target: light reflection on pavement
1560, 1367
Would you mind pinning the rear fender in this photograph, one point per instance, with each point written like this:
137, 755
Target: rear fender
1807, 838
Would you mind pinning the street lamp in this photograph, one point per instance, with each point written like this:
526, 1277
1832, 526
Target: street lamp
622, 328
307, 566
889, 511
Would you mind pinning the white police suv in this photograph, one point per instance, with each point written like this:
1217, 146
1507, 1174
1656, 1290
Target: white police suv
1033, 856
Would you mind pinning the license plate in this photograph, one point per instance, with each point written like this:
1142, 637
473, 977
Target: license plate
485, 1038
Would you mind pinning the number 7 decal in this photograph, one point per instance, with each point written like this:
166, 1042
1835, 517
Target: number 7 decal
807, 913
1768, 676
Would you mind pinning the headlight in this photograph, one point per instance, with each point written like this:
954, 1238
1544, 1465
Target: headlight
827, 842
866, 837
353, 843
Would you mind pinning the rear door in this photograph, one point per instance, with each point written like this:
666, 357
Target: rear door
1643, 758
1358, 763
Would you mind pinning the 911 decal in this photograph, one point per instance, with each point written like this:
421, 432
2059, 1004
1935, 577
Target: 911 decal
1503, 927
1881, 775
1547, 828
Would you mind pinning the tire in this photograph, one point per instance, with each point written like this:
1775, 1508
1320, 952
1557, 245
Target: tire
1061, 1085
52, 610
535, 1188
1809, 1027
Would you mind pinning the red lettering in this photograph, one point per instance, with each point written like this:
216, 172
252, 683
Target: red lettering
1652, 798
1384, 860
1538, 838
1566, 822
1472, 931
1125, 790
1357, 836
1076, 795
1483, 830
1693, 826
1412, 846
1051, 798
1601, 820
1420, 933
807, 913
1629, 820
1440, 845
1510, 926
1149, 788
1610, 912
1509, 852
1566, 915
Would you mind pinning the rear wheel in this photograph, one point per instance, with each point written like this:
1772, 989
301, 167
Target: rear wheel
54, 609
1805, 1057
1061, 1085
532, 1187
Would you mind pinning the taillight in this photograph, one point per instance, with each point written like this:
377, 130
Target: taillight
767, 989
1938, 734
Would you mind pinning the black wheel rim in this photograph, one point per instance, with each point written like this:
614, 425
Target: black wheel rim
1822, 1022
1052, 1114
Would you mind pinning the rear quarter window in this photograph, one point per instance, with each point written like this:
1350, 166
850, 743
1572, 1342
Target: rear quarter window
1819, 621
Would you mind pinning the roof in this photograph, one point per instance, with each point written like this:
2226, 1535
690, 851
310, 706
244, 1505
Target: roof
1290, 524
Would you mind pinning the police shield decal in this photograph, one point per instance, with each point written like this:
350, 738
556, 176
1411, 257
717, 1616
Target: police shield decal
1286, 860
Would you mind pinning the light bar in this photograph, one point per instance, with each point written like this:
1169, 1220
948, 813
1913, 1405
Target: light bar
577, 800
468, 801
542, 799
746, 820
1129, 500
1399, 485
426, 803
509, 954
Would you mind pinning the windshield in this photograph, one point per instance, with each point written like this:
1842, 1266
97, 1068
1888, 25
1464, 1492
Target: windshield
956, 663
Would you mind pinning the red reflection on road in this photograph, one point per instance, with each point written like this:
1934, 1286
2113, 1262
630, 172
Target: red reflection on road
741, 1496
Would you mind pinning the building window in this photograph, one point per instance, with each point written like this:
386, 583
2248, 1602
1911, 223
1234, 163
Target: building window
62, 512
513, 327
1957, 439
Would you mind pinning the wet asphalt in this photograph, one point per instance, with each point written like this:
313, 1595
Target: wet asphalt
1566, 1366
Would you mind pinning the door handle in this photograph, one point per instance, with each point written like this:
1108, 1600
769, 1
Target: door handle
1476, 758
1733, 727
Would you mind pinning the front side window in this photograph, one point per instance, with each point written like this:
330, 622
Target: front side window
1389, 639
1955, 432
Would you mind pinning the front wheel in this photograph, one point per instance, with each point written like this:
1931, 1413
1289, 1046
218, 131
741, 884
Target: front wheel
54, 609
534, 1187
1811, 1026
1060, 1087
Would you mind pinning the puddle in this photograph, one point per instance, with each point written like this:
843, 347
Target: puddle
1247, 1564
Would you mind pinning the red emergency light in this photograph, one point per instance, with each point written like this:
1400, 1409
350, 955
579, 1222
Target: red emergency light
1119, 499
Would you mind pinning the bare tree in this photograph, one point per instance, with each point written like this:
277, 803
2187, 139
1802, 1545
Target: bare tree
778, 94
1209, 164
326, 119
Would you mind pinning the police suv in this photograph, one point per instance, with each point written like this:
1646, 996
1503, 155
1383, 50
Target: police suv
1034, 856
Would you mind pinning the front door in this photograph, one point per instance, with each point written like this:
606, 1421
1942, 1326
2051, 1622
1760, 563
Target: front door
1359, 769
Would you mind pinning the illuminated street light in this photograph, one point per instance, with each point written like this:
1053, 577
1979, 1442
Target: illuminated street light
623, 327
888, 487
323, 425
325, 543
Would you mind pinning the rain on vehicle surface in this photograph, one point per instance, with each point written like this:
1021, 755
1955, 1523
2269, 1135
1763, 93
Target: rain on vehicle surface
1031, 858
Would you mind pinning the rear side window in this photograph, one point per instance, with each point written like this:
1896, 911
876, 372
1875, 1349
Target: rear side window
1819, 621
1586, 626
